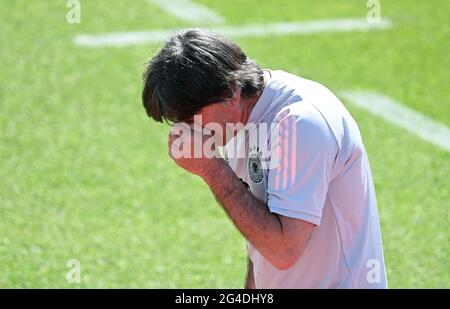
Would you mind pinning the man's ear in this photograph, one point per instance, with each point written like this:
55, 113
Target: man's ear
236, 95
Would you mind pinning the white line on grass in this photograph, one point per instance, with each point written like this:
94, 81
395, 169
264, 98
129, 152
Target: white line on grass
120, 39
189, 11
400, 115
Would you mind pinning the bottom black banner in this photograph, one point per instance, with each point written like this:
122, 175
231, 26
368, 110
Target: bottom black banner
220, 298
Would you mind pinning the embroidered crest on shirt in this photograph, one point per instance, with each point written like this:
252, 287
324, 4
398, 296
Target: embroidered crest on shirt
255, 167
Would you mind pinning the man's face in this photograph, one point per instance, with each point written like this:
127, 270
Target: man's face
216, 116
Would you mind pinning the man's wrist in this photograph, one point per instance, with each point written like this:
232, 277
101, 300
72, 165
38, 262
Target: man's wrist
211, 170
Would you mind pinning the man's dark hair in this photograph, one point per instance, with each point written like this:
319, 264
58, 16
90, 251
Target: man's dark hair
196, 68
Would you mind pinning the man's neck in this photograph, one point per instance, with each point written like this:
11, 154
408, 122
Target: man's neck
250, 104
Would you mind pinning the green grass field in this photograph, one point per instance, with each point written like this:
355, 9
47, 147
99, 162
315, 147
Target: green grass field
84, 174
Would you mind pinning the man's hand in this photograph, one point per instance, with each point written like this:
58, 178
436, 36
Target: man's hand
192, 150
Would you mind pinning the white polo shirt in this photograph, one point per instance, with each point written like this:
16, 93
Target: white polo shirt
322, 175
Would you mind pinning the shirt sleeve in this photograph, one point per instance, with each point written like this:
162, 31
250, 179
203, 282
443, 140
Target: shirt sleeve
305, 150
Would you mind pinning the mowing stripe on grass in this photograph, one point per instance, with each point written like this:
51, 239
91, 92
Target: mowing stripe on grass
400, 115
121, 39
189, 11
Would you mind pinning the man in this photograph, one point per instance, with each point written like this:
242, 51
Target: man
303, 194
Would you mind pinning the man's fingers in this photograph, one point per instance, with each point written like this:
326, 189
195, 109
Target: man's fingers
191, 140
179, 142
176, 146
179, 128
